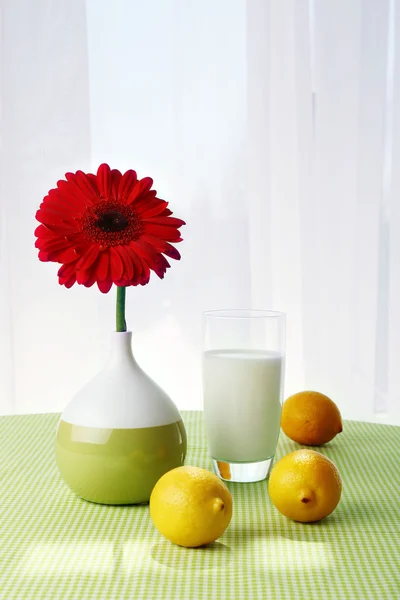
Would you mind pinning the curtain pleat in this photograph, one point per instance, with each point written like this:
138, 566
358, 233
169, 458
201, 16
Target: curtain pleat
272, 127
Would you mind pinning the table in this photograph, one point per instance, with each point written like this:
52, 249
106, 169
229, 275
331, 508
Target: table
56, 546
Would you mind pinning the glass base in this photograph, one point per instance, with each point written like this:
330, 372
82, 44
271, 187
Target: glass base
243, 472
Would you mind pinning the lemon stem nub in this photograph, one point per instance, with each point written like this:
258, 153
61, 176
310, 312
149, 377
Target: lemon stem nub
218, 505
306, 496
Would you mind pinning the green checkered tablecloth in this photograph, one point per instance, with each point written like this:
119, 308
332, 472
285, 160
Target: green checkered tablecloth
55, 546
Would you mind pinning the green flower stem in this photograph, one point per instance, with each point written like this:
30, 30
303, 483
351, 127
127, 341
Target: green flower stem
121, 294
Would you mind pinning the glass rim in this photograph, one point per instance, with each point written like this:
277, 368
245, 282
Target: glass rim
243, 313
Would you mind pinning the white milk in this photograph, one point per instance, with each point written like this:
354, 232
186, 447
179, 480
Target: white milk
242, 403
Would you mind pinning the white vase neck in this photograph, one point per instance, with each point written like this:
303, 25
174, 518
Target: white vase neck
121, 348
121, 395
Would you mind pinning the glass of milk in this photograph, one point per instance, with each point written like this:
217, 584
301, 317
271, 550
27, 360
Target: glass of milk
243, 372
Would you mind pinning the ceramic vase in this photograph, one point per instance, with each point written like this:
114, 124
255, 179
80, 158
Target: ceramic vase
120, 433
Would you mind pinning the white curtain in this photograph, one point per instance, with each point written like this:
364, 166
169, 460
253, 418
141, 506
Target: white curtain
271, 126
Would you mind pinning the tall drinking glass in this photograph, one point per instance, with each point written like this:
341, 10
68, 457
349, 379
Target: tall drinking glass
243, 372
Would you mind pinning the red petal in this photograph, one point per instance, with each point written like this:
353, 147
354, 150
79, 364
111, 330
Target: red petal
71, 240
64, 228
70, 197
116, 265
165, 213
150, 208
55, 206
104, 180
162, 266
81, 276
144, 276
53, 244
102, 266
64, 197
54, 231
146, 251
79, 186
145, 197
153, 207
67, 275
126, 185
65, 271
115, 181
142, 186
91, 280
49, 217
162, 246
128, 266
43, 256
170, 221
156, 261
171, 251
43, 232
90, 191
86, 261
64, 256
127, 282
86, 278
170, 234
136, 262
104, 286
93, 180
70, 282
146, 202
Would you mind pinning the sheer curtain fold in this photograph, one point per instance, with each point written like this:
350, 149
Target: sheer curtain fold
393, 219
44, 132
272, 127
332, 210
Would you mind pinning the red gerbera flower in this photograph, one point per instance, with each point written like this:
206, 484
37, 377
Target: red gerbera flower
106, 228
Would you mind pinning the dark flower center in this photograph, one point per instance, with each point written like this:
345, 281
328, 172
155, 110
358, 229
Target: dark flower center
112, 220
110, 223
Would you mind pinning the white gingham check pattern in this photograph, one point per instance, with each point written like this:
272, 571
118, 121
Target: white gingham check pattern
55, 546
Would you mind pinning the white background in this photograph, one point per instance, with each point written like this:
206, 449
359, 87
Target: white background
271, 126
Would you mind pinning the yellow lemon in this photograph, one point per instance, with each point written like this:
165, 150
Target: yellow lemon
305, 486
311, 418
190, 506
